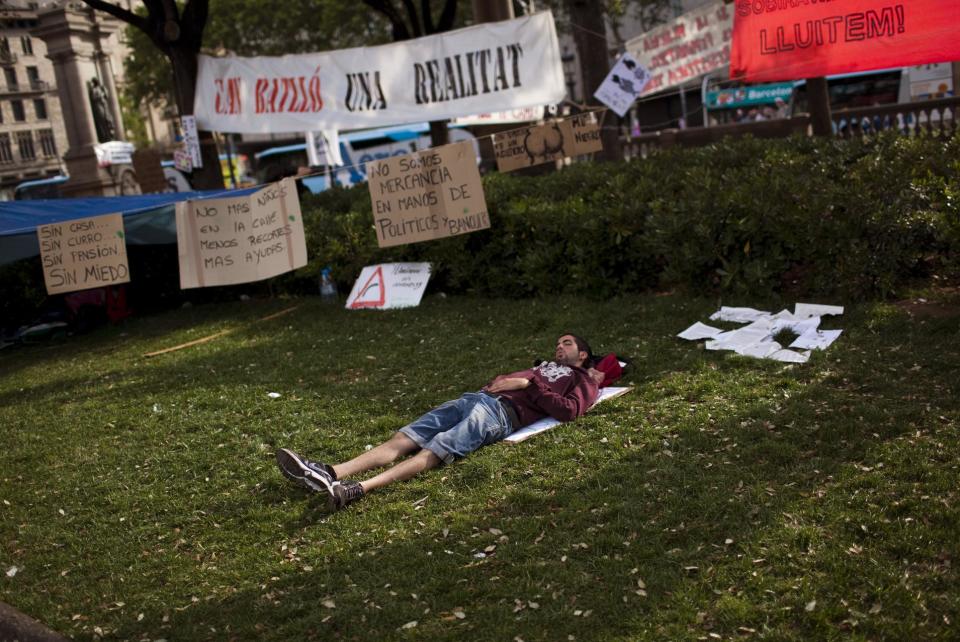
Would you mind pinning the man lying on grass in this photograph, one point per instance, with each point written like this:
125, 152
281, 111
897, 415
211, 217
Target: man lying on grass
563, 389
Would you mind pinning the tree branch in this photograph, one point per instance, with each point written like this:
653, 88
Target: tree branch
427, 17
414, 18
120, 13
195, 15
400, 31
447, 17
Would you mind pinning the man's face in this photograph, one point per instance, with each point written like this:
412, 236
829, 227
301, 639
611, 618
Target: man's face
567, 353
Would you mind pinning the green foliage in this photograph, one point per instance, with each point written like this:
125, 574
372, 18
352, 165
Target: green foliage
850, 219
253, 28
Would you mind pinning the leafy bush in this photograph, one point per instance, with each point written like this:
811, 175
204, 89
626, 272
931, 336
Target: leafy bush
800, 217
851, 219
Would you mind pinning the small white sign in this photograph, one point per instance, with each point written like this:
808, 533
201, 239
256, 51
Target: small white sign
323, 148
389, 285
181, 160
623, 84
191, 140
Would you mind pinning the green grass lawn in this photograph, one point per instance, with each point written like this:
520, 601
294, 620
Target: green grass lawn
724, 498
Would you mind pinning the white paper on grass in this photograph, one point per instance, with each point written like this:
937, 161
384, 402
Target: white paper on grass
805, 310
699, 331
761, 350
756, 338
816, 339
744, 338
549, 422
389, 285
738, 315
798, 327
789, 356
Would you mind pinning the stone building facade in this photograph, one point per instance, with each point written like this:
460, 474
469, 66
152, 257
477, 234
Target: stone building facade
32, 131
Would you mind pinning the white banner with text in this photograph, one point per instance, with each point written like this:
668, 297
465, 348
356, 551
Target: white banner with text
489, 67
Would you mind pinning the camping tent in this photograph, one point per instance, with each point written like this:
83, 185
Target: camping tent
148, 219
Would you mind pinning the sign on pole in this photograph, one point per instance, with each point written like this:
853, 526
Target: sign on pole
529, 146
791, 40
389, 285
83, 253
224, 241
191, 140
694, 44
427, 195
623, 84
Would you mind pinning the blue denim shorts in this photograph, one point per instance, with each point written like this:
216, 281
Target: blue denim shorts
456, 428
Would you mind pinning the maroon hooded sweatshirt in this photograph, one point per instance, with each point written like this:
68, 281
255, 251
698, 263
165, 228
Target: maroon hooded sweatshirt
561, 392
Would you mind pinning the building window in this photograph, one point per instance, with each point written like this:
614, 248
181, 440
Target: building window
4, 46
25, 144
48, 146
27, 44
11, 76
18, 114
40, 107
33, 77
6, 154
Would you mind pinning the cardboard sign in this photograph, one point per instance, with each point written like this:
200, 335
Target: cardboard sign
389, 285
529, 146
191, 140
224, 241
694, 44
791, 40
623, 84
427, 195
83, 253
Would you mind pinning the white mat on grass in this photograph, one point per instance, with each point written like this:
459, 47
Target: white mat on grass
549, 422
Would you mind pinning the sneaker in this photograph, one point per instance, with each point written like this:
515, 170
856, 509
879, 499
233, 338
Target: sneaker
343, 493
313, 475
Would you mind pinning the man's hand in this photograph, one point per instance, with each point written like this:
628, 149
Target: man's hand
596, 375
503, 384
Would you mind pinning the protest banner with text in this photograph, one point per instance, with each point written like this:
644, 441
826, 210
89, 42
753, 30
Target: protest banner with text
389, 285
694, 44
427, 195
490, 67
224, 241
84, 253
789, 40
530, 146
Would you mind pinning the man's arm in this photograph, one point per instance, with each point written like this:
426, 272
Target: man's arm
565, 407
504, 383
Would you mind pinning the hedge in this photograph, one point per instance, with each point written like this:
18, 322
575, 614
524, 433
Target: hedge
794, 217
801, 217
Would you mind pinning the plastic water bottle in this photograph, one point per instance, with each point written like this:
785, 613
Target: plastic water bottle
328, 289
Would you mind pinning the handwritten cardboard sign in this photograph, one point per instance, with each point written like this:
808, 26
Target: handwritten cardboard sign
389, 285
83, 253
224, 241
529, 146
427, 195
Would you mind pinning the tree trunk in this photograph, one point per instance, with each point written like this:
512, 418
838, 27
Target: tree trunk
184, 61
591, 41
818, 100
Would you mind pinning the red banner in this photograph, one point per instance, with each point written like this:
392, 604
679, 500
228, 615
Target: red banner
794, 39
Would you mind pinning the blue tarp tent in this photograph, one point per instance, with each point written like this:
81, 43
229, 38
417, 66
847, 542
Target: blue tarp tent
148, 219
